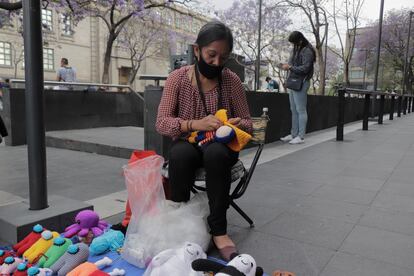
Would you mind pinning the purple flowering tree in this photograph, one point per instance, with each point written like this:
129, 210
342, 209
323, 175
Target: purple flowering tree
393, 48
242, 18
114, 13
142, 43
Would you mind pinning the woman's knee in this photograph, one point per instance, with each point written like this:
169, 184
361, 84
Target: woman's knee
184, 154
217, 154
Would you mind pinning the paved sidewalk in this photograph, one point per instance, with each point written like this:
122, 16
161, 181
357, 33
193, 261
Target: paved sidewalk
322, 208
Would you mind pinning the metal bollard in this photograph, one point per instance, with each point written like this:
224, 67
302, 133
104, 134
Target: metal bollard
392, 107
341, 116
399, 106
366, 112
381, 109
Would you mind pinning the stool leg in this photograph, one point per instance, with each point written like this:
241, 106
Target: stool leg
243, 214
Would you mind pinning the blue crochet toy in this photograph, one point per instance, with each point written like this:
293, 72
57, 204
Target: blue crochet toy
111, 240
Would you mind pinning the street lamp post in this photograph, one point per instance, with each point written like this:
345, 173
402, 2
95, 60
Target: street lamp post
378, 44
258, 47
365, 68
405, 85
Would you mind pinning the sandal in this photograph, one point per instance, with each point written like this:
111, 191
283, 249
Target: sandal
282, 273
227, 253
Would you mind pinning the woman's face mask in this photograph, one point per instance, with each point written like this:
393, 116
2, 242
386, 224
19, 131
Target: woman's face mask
211, 58
207, 70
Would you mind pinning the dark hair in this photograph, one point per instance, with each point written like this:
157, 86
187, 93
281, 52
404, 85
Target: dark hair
299, 42
65, 61
214, 31
268, 78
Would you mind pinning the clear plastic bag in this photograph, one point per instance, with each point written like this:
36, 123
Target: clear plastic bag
155, 224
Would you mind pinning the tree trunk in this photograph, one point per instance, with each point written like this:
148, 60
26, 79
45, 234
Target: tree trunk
107, 58
321, 65
346, 74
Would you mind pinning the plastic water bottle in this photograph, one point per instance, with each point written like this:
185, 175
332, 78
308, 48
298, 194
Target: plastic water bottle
264, 113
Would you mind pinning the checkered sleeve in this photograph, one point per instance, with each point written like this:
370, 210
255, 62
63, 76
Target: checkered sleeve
168, 123
239, 103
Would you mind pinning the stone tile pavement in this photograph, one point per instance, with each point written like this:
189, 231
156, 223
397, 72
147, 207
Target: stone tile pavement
323, 208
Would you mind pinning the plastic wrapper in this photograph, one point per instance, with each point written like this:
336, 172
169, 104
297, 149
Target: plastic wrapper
157, 224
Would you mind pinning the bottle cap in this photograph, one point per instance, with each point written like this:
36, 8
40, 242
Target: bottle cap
265, 109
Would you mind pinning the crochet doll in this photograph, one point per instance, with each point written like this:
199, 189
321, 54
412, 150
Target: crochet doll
110, 240
86, 221
176, 261
74, 256
22, 269
4, 254
41, 246
29, 240
242, 264
87, 269
10, 265
59, 247
232, 136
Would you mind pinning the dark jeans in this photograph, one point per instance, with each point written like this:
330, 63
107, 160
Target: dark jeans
3, 130
217, 160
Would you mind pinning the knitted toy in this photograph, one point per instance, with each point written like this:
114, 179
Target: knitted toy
74, 256
115, 272
10, 265
87, 268
176, 262
235, 139
242, 265
41, 246
22, 269
86, 221
59, 247
110, 240
35, 271
29, 240
4, 254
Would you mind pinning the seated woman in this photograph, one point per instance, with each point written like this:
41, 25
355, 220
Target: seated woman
192, 94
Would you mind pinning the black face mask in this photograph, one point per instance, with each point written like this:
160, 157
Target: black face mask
207, 70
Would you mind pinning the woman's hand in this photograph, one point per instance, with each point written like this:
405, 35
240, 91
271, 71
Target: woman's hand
234, 121
208, 123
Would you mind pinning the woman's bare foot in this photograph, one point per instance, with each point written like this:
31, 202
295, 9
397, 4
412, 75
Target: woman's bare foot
223, 241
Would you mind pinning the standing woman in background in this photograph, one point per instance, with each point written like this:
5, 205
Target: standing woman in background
300, 69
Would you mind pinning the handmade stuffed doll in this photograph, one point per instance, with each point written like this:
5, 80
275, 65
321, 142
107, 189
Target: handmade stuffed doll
29, 240
74, 256
241, 265
111, 240
86, 221
4, 254
59, 247
115, 272
87, 269
235, 138
282, 273
41, 246
10, 265
176, 262
22, 269
35, 271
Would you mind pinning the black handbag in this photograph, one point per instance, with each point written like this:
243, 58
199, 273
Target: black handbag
295, 81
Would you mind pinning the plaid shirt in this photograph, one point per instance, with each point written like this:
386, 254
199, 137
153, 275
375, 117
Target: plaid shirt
181, 101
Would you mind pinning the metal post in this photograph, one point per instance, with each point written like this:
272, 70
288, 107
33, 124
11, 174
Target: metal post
35, 128
258, 47
412, 105
381, 109
409, 104
378, 45
405, 73
366, 112
341, 115
392, 107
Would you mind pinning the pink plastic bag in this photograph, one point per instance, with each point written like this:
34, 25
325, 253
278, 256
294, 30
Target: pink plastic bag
144, 184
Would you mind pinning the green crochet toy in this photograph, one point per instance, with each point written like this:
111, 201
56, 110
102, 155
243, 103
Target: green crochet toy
59, 247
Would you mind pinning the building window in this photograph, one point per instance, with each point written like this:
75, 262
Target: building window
356, 74
5, 53
66, 24
178, 21
47, 21
168, 18
48, 59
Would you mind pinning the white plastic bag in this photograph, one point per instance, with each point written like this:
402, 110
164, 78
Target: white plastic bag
155, 225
